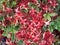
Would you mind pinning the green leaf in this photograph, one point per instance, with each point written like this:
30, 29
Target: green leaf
14, 3
44, 28
13, 37
38, 1
25, 10
38, 9
51, 28
56, 27
52, 14
1, 18
52, 23
11, 4
55, 24
20, 42
44, 1
17, 27
32, 5
1, 1
47, 16
9, 29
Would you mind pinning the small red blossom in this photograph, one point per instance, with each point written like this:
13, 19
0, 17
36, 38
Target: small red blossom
7, 21
53, 3
48, 36
30, 23
25, 2
43, 42
1, 32
46, 8
8, 9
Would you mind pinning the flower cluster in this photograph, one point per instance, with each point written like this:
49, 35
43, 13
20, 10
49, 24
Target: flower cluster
31, 25
48, 38
30, 22
49, 5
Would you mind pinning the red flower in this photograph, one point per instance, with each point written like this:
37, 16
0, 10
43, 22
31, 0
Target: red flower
25, 2
48, 36
30, 29
7, 21
46, 8
53, 3
8, 10
14, 20
44, 42
31, 23
1, 32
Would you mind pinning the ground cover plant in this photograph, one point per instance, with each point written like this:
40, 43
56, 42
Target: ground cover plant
29, 22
